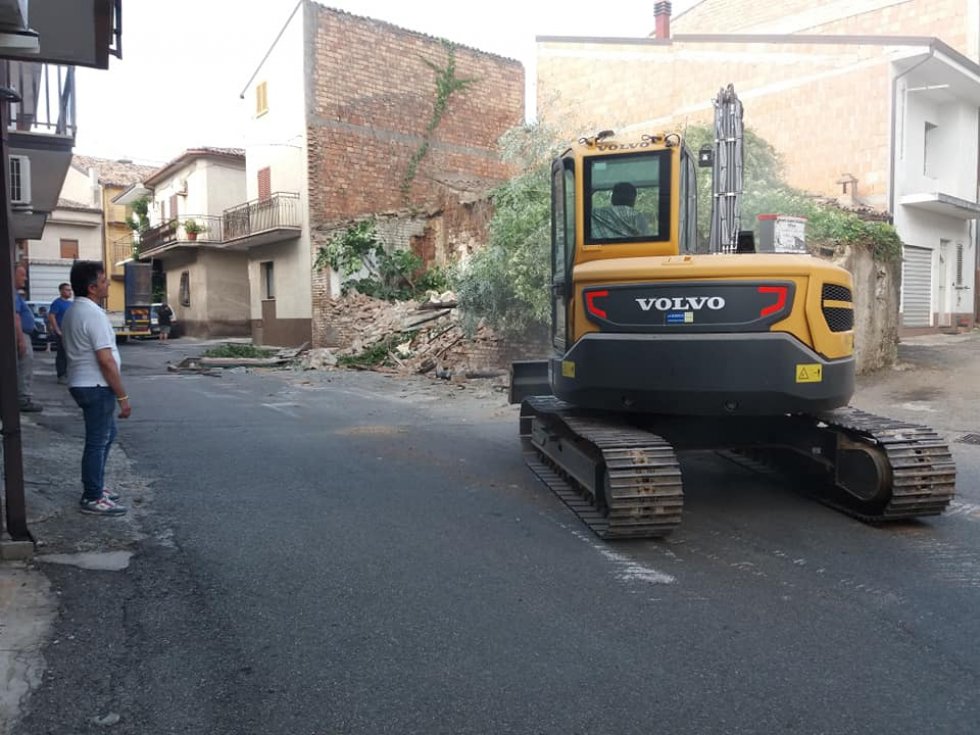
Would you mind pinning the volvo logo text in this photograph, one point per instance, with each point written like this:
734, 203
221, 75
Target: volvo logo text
683, 303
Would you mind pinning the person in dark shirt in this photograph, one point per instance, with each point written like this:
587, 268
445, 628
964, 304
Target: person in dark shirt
55, 316
165, 319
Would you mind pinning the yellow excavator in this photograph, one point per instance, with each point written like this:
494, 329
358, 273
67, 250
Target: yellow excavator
661, 345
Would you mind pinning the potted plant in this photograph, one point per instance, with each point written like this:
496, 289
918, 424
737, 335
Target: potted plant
192, 228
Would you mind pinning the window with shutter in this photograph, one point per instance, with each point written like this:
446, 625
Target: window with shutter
265, 183
261, 99
185, 288
173, 206
69, 249
959, 264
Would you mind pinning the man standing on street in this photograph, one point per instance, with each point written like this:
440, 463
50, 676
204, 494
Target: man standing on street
24, 328
56, 315
94, 381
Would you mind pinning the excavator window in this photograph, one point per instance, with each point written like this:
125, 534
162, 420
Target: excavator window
627, 198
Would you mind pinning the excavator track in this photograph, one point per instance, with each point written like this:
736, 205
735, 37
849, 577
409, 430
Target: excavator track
620, 481
903, 471
920, 465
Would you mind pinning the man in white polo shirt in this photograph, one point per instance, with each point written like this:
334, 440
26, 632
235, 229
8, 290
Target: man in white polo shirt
94, 381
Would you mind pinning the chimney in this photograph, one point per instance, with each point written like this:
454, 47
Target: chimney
661, 15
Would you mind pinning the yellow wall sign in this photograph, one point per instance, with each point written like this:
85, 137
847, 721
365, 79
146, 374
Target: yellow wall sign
567, 369
809, 373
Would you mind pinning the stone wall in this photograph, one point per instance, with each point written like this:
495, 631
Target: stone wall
876, 296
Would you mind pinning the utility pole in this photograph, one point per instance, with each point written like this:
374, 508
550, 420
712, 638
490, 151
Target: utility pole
14, 510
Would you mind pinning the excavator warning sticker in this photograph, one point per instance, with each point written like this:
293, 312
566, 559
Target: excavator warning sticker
809, 373
567, 369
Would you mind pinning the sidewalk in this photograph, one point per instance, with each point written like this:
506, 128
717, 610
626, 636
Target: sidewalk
52, 453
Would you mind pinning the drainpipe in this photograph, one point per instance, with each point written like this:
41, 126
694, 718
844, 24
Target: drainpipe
975, 239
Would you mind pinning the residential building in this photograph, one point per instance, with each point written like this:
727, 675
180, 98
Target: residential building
197, 220
873, 101
329, 140
345, 120
40, 43
74, 231
105, 179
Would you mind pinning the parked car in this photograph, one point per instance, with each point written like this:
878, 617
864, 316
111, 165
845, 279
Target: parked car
41, 339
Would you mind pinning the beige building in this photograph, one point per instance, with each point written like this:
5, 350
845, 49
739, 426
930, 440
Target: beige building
873, 101
192, 206
103, 179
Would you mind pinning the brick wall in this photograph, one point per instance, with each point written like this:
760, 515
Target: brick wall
944, 19
439, 237
373, 98
372, 102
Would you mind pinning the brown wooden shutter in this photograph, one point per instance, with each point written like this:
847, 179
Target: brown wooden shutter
265, 183
69, 249
173, 206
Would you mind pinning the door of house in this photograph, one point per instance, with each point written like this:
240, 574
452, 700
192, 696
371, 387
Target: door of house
944, 316
916, 287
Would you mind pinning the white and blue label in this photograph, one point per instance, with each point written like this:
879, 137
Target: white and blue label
680, 317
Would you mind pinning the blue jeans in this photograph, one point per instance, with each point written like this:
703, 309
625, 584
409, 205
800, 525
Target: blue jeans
98, 405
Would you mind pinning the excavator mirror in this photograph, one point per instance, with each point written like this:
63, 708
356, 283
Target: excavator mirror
706, 156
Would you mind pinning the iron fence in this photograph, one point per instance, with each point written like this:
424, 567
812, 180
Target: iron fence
205, 228
261, 215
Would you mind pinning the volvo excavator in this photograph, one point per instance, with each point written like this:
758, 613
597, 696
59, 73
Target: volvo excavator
660, 345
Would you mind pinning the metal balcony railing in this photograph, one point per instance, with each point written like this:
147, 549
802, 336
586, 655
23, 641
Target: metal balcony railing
47, 97
281, 210
205, 228
121, 250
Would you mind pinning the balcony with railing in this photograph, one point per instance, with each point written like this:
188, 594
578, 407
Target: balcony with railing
261, 221
190, 231
248, 225
120, 251
41, 134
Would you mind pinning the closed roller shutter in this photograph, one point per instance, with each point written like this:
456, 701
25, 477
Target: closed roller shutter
916, 287
44, 280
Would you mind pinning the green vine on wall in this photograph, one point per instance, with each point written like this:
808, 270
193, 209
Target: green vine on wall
446, 85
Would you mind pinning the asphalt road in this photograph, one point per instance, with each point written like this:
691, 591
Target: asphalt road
348, 553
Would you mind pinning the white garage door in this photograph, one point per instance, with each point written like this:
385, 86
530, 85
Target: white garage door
44, 279
916, 287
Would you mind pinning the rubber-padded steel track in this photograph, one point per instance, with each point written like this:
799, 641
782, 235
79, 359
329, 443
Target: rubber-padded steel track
922, 467
643, 494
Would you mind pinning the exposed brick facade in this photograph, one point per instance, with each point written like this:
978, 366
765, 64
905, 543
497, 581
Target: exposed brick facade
371, 111
373, 98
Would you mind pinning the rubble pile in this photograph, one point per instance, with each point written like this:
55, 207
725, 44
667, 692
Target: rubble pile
410, 337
